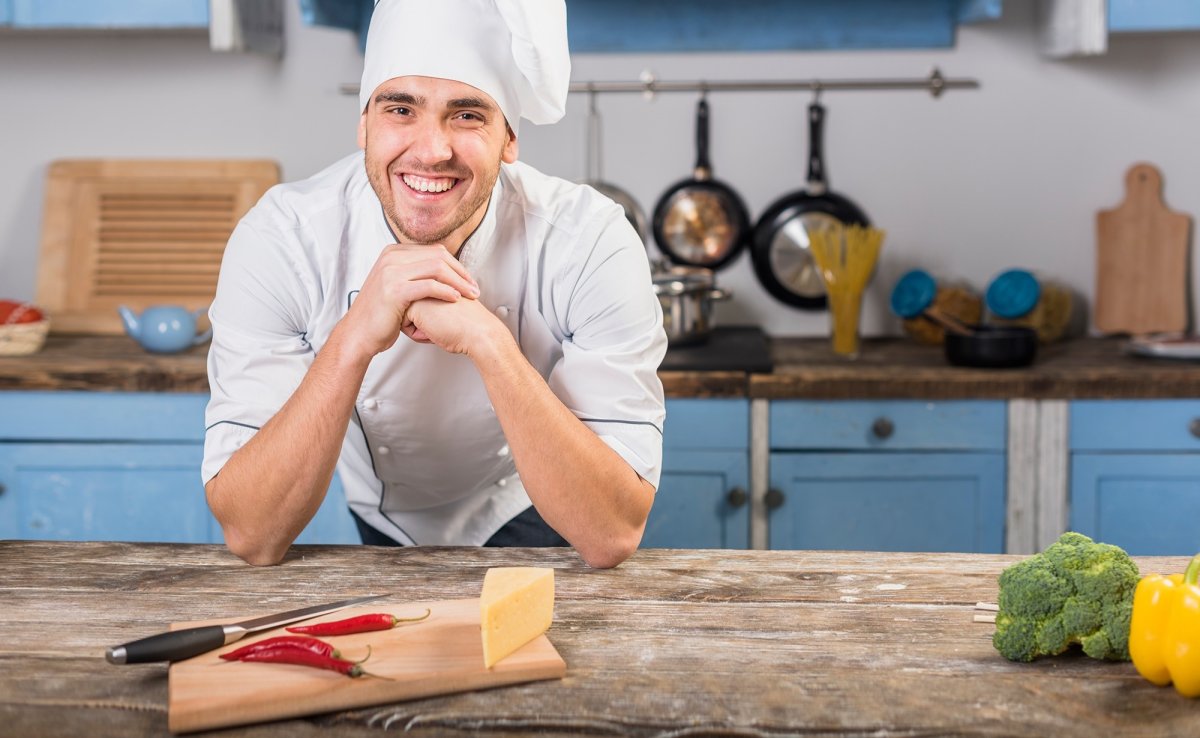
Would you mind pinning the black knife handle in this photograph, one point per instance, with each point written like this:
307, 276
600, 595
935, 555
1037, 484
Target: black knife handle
174, 646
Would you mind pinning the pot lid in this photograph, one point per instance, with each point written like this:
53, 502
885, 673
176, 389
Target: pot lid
678, 280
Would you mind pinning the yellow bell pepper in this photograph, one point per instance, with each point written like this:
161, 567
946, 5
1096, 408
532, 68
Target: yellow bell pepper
1152, 601
1164, 631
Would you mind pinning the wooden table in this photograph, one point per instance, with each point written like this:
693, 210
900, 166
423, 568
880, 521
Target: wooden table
671, 643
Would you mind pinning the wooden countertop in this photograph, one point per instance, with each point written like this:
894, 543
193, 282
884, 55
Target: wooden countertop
804, 368
752, 643
1086, 368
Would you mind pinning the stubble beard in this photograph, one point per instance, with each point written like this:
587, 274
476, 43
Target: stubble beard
410, 229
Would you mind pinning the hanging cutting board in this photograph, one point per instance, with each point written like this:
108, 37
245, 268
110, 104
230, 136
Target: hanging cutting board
1141, 260
138, 232
439, 655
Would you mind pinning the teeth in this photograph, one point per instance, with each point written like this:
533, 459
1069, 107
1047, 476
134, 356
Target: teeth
421, 184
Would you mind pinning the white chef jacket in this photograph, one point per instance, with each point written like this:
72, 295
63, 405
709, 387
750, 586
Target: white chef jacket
424, 459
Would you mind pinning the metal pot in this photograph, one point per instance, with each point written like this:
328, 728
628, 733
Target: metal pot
687, 295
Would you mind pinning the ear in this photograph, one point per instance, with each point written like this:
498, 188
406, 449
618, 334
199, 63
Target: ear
509, 153
362, 130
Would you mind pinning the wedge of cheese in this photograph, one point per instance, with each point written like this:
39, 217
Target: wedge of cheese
516, 606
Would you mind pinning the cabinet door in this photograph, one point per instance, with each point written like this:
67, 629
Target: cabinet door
1147, 504
693, 509
101, 491
889, 501
109, 14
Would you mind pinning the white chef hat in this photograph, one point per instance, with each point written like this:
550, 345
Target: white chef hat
514, 50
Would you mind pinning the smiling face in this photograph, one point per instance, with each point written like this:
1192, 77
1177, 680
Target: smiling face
433, 152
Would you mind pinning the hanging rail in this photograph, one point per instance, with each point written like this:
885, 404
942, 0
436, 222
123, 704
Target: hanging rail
650, 85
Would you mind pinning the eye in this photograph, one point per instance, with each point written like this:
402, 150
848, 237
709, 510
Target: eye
398, 110
470, 117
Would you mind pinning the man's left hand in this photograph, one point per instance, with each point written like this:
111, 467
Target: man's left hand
452, 326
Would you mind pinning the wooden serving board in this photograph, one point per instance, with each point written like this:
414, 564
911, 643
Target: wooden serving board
439, 655
1141, 260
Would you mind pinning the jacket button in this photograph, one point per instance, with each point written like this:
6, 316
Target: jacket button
370, 403
502, 311
384, 450
502, 482
503, 451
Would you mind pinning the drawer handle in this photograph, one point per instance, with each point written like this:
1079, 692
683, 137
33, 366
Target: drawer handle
774, 499
883, 428
737, 497
1194, 427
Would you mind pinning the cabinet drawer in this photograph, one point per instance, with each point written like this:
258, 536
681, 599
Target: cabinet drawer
891, 424
708, 423
1135, 425
102, 416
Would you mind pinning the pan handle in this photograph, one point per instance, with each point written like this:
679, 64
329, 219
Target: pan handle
703, 165
817, 183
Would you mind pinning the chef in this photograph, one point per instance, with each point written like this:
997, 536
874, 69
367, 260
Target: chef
472, 343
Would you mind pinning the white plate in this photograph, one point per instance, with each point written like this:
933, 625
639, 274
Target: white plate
1166, 347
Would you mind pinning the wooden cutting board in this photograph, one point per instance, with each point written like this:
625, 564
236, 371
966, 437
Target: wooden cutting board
1142, 260
138, 232
439, 655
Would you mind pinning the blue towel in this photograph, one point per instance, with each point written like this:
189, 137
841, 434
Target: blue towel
352, 15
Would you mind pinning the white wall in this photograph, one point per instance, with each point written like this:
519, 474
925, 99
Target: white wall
966, 185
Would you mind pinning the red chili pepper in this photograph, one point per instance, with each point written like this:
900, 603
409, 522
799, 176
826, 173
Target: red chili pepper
303, 657
358, 624
301, 642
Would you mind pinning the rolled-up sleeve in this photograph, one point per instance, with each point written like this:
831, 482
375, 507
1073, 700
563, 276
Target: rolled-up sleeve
259, 351
608, 374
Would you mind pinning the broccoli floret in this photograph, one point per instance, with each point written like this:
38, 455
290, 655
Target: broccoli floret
1076, 591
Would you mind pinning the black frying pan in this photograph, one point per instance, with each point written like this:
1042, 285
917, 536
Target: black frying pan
701, 221
779, 247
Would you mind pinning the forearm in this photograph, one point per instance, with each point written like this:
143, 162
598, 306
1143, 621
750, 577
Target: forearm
580, 486
270, 488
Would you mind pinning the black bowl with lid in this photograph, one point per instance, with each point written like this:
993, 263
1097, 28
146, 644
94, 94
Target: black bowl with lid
992, 346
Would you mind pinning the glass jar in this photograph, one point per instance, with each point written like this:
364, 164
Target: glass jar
1017, 297
918, 292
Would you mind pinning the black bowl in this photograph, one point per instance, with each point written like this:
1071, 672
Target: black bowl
992, 346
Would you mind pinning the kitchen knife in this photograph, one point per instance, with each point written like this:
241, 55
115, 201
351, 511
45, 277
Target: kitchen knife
178, 645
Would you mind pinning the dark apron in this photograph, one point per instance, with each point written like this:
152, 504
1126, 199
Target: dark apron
525, 530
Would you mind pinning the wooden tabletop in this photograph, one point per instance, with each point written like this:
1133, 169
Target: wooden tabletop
1085, 368
892, 368
748, 643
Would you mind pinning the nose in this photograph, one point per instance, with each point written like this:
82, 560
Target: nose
433, 144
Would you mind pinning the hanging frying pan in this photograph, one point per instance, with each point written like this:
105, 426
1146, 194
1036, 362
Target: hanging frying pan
701, 221
779, 247
594, 163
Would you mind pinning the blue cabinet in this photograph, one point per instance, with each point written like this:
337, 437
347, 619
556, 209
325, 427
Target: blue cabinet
1135, 474
110, 14
1153, 15
888, 475
117, 466
702, 498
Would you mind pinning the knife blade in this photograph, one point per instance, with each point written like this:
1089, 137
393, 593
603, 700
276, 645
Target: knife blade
185, 643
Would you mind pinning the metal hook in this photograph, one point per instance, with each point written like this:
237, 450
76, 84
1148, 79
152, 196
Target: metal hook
817, 88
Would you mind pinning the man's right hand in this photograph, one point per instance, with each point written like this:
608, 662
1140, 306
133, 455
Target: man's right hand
403, 274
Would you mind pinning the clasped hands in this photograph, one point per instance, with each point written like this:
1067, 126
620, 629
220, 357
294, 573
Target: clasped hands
425, 293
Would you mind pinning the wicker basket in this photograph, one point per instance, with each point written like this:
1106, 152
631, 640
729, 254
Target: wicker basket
21, 339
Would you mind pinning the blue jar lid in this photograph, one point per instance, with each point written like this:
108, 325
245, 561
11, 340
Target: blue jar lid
913, 293
1013, 293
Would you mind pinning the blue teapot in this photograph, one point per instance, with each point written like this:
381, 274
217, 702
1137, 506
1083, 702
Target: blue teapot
164, 329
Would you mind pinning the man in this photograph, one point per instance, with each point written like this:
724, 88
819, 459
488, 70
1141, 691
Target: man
472, 343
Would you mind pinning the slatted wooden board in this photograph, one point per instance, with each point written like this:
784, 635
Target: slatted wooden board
138, 233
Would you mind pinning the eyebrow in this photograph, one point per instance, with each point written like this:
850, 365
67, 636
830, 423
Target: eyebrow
399, 97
